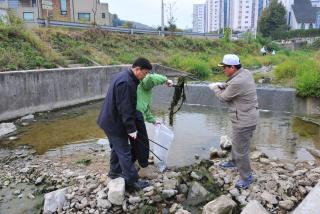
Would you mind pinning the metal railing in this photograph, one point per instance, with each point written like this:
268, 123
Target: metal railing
124, 30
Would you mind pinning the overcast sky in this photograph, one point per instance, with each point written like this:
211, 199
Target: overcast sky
149, 11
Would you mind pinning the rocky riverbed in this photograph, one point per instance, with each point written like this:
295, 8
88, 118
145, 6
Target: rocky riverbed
74, 180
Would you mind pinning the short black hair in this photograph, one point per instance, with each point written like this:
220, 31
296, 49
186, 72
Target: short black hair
238, 66
143, 63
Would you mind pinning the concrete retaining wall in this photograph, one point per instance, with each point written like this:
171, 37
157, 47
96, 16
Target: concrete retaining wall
273, 99
24, 92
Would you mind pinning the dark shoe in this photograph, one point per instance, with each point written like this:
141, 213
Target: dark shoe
114, 175
227, 165
245, 183
137, 186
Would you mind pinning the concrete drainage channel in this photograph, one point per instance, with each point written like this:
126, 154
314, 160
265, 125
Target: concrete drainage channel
50, 89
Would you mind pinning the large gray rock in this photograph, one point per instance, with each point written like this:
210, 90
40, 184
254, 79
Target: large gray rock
287, 204
311, 203
225, 142
254, 207
103, 203
116, 191
197, 194
269, 197
221, 205
7, 128
53, 201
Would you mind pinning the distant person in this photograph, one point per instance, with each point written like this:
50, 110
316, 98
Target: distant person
263, 51
273, 52
119, 118
140, 152
239, 92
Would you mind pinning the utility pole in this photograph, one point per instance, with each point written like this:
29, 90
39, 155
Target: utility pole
162, 16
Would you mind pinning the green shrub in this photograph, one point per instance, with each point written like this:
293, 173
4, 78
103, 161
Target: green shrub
308, 79
286, 70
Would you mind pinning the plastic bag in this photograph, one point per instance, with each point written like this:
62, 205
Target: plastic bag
164, 136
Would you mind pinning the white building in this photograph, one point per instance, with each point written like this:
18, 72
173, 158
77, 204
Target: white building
244, 15
199, 18
215, 15
315, 3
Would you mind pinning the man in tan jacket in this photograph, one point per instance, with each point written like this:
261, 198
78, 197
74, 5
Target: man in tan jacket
239, 92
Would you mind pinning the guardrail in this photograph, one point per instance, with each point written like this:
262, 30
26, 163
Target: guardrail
124, 30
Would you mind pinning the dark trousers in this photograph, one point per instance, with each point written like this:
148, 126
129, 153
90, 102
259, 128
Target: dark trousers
140, 146
121, 159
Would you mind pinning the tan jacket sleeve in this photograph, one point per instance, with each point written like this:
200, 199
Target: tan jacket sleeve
229, 93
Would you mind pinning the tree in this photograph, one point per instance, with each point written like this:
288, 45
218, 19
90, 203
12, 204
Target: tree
273, 19
128, 24
171, 19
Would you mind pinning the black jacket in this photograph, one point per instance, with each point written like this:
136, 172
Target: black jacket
118, 113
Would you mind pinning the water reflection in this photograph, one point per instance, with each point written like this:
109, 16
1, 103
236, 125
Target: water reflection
196, 129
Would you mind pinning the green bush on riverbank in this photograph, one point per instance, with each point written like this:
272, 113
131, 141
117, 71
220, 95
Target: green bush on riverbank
301, 72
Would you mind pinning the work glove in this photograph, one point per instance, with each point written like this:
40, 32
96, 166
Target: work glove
157, 123
217, 86
169, 83
133, 135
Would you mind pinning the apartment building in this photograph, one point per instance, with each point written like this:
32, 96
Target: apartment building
87, 11
92, 11
244, 15
215, 15
199, 18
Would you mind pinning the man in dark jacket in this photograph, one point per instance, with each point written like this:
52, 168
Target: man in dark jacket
118, 118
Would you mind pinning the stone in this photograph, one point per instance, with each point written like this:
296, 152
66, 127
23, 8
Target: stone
197, 194
39, 180
225, 142
183, 188
17, 192
168, 193
181, 198
134, 200
174, 207
116, 191
234, 192
7, 128
287, 204
311, 203
299, 172
257, 155
195, 176
221, 205
53, 201
290, 167
314, 152
103, 203
149, 172
102, 195
264, 160
170, 183
254, 207
13, 138
182, 211
242, 199
213, 153
27, 117
148, 189
269, 197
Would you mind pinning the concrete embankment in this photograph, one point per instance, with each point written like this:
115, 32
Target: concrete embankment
25, 92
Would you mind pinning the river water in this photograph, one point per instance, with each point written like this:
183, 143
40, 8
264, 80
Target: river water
196, 129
